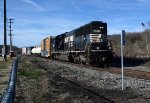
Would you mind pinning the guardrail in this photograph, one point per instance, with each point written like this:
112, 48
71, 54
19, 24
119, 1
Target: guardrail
9, 95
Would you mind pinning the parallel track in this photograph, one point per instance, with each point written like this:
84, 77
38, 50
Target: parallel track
127, 72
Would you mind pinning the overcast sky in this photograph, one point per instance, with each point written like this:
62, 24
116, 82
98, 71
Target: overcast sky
37, 19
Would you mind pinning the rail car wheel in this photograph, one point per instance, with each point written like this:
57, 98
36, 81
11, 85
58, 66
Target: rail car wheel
70, 58
77, 59
53, 57
92, 61
84, 63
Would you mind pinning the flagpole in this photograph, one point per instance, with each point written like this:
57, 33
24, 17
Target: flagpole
143, 27
122, 47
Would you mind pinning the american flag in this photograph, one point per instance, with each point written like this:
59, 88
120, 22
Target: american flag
143, 24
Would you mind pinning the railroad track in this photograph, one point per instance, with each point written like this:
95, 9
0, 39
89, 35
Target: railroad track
104, 99
127, 72
133, 73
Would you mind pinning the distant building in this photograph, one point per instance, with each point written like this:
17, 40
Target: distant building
27, 50
3, 51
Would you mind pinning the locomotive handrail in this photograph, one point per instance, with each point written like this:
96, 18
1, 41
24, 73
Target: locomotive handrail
9, 95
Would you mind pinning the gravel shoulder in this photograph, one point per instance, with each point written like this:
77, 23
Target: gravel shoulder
53, 88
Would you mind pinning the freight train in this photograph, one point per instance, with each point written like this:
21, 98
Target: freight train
87, 44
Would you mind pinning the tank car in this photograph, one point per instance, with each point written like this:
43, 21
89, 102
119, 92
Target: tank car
86, 44
36, 51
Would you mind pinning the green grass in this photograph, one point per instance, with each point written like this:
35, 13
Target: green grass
6, 64
29, 70
25, 65
30, 74
3, 66
3, 82
35, 60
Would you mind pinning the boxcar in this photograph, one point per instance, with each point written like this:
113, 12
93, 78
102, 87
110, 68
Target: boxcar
46, 47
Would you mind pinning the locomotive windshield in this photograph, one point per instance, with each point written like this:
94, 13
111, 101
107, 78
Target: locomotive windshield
99, 28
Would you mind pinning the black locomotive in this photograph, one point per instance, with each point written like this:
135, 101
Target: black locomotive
86, 44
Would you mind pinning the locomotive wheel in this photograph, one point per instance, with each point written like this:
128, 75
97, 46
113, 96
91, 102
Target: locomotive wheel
75, 59
93, 61
104, 61
97, 63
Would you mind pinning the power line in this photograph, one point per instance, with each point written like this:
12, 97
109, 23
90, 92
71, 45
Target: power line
10, 29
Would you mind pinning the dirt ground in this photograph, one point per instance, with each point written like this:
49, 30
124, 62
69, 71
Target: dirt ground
39, 82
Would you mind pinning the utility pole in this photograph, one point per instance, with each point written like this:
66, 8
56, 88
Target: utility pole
10, 21
5, 36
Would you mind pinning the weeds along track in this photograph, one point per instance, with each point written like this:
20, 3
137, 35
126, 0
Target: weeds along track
83, 87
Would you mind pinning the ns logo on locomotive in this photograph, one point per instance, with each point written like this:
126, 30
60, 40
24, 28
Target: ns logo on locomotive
87, 44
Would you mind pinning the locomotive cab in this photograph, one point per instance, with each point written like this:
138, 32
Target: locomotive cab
99, 53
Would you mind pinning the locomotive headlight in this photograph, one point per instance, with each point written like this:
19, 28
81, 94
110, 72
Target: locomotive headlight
101, 27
